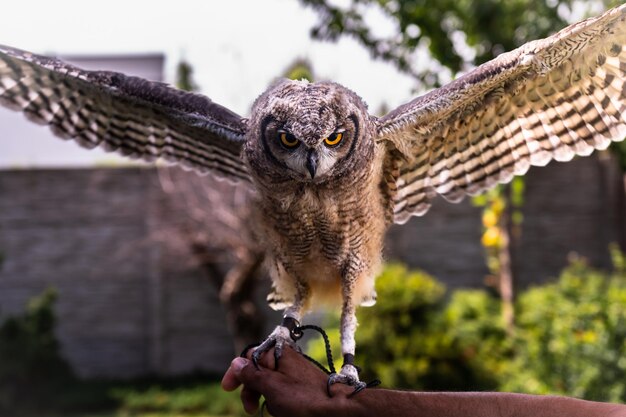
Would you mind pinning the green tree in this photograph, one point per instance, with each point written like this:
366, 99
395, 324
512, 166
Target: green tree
300, 69
458, 34
184, 77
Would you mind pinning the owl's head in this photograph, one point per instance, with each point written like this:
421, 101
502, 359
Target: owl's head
308, 132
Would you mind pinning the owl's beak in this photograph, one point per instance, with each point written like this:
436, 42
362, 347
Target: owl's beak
311, 162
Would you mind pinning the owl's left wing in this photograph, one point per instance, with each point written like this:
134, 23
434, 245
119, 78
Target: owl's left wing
129, 115
549, 99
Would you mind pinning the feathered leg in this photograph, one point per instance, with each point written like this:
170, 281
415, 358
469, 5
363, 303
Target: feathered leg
281, 335
349, 374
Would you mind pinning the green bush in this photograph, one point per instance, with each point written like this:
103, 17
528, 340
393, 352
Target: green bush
31, 369
413, 339
570, 336
35, 380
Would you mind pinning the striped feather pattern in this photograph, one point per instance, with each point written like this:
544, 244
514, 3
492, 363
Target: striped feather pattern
548, 100
134, 117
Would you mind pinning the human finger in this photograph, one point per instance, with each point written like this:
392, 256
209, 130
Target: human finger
231, 379
250, 400
266, 360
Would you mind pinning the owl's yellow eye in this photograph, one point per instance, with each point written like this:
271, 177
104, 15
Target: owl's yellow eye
288, 140
334, 139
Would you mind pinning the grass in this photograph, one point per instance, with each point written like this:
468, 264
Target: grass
188, 397
122, 414
199, 400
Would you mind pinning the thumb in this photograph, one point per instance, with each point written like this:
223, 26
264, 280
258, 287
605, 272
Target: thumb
238, 364
232, 378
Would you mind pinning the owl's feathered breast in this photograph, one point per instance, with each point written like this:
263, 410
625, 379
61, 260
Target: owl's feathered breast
329, 220
314, 231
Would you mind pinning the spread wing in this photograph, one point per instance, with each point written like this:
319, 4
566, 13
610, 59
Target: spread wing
549, 99
129, 115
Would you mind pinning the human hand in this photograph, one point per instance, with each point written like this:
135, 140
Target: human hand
296, 388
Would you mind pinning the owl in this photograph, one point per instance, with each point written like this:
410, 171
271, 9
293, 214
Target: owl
328, 177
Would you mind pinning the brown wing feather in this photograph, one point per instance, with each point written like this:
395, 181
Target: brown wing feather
548, 100
129, 115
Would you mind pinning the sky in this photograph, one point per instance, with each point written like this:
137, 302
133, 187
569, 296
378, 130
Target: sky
236, 47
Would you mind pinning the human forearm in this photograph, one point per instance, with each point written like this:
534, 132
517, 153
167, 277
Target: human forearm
477, 404
298, 388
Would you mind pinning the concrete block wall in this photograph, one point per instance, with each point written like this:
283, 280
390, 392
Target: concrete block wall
128, 306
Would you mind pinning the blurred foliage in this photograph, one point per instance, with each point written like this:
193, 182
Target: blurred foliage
300, 69
184, 77
35, 380
203, 399
428, 344
415, 339
458, 34
619, 150
570, 337
31, 369
495, 204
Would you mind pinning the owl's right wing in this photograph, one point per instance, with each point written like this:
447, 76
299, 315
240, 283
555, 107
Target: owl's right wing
129, 115
550, 99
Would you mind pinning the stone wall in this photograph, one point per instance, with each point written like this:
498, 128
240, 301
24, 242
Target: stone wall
129, 306
577, 208
126, 306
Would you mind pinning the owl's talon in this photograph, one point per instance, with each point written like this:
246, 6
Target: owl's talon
329, 382
255, 358
278, 351
349, 376
244, 352
360, 386
277, 340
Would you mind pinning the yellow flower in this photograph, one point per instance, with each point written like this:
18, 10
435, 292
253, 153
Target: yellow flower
490, 219
491, 237
497, 205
